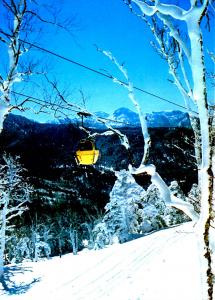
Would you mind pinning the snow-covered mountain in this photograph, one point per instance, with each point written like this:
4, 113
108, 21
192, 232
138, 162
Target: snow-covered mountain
124, 117
102, 114
173, 118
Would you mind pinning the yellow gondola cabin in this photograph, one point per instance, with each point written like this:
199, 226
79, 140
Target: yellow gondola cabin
87, 154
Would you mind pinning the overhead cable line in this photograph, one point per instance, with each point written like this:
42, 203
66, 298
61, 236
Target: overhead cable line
101, 73
70, 109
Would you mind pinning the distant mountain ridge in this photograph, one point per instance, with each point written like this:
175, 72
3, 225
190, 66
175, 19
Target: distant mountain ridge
125, 117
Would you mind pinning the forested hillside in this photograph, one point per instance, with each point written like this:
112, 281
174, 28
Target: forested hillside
52, 146
66, 195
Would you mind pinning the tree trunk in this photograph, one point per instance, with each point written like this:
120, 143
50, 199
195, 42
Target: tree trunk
206, 239
3, 239
4, 111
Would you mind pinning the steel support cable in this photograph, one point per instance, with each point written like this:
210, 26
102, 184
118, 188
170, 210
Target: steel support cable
66, 108
102, 74
97, 72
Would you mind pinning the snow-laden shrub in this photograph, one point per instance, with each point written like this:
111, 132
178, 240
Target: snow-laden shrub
17, 249
22, 249
132, 211
102, 235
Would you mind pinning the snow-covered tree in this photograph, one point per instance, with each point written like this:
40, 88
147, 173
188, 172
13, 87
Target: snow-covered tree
40, 240
122, 217
123, 211
180, 39
19, 249
132, 211
73, 238
103, 235
14, 194
22, 22
194, 197
154, 213
88, 240
40, 248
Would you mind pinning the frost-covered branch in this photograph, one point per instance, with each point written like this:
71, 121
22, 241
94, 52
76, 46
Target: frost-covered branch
174, 11
68, 106
14, 53
150, 169
168, 198
175, 34
212, 56
165, 41
167, 9
129, 86
145, 8
169, 45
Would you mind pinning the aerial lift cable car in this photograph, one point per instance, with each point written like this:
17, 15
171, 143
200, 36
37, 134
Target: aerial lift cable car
86, 153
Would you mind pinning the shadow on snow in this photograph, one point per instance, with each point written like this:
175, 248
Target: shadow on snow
10, 286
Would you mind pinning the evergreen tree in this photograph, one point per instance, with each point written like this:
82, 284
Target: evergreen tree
123, 213
177, 216
154, 212
194, 197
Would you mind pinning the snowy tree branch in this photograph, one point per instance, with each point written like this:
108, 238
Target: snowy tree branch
69, 105
129, 86
171, 10
170, 200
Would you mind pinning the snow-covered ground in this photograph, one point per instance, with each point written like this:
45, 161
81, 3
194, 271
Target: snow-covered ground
161, 266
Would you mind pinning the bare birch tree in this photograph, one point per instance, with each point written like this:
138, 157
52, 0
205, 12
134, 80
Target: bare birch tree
179, 38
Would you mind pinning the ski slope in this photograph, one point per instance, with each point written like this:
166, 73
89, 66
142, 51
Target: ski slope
161, 266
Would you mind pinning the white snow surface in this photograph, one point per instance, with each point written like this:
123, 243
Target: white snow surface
160, 266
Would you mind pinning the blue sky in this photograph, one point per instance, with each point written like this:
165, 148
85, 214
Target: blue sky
110, 25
